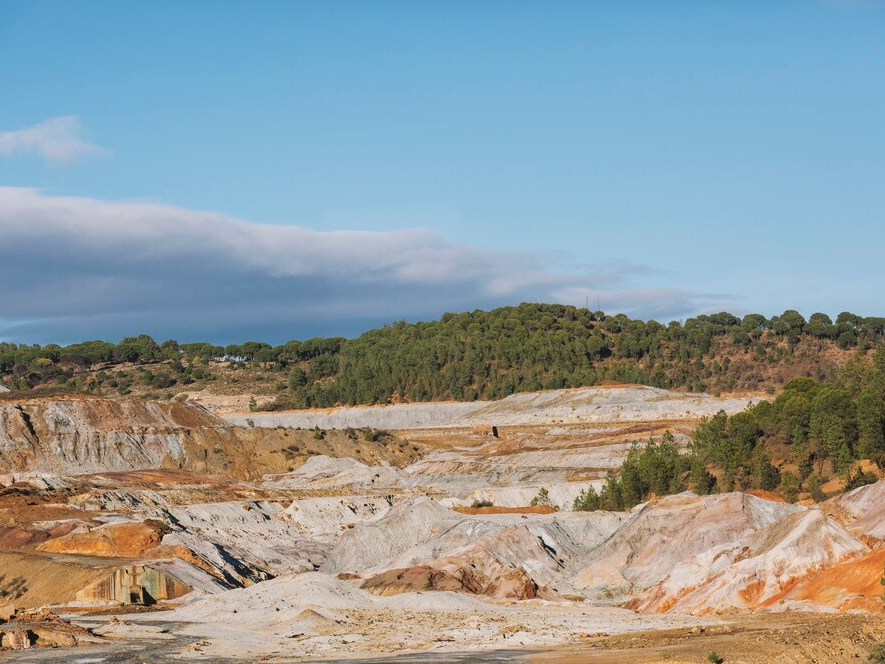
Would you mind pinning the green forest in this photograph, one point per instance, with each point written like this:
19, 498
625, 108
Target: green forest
477, 355
814, 431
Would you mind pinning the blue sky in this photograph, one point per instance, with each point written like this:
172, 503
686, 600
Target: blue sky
675, 157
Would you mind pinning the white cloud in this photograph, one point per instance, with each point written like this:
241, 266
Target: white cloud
56, 140
75, 268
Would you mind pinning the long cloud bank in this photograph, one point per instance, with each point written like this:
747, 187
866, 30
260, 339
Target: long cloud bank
76, 268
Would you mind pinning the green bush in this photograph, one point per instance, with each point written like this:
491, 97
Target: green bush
877, 654
542, 499
586, 501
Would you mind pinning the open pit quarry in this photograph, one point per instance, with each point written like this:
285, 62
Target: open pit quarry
131, 527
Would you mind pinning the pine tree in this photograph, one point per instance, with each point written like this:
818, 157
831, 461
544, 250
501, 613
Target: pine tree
586, 501
789, 487
870, 424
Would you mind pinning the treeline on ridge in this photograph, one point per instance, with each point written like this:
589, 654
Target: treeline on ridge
483, 355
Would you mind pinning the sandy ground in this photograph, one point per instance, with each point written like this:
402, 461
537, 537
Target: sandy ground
800, 638
787, 638
365, 634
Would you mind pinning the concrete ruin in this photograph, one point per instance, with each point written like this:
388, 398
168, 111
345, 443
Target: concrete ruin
133, 584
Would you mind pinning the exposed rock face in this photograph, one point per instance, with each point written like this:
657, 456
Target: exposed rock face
16, 638
243, 542
92, 435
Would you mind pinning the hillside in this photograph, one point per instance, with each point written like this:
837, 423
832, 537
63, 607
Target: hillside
462, 357
475, 529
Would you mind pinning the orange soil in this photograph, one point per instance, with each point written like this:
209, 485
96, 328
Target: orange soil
767, 495
122, 540
853, 584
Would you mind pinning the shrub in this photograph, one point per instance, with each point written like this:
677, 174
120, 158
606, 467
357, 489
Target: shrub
542, 499
162, 381
586, 501
858, 479
877, 654
789, 488
482, 503
814, 489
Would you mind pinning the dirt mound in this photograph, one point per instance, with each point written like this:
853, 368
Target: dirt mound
676, 528
405, 525
286, 598
752, 571
456, 576
289, 593
512, 563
